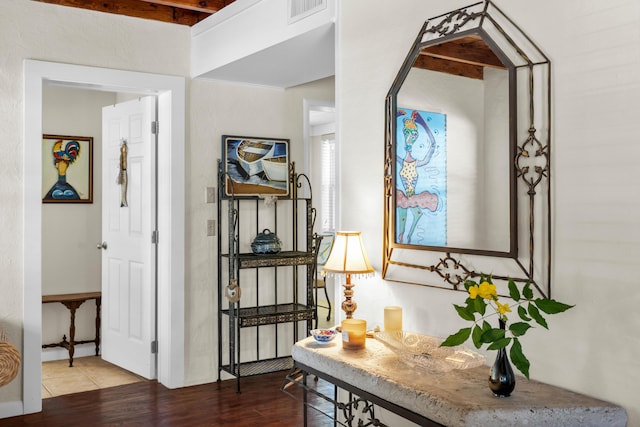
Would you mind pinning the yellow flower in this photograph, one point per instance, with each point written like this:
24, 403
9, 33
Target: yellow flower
487, 290
473, 291
503, 308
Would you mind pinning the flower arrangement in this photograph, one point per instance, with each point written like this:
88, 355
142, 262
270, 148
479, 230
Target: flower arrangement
483, 295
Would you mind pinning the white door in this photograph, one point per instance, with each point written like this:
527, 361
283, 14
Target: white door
128, 254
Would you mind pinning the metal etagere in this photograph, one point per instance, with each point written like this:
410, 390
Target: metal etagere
271, 290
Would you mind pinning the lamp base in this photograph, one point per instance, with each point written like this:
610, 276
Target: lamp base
348, 305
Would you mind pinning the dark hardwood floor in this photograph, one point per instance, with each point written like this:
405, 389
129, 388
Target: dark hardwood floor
261, 403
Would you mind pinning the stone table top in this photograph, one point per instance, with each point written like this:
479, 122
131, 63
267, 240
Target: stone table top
457, 397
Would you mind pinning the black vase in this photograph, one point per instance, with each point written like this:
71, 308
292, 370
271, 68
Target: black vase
502, 380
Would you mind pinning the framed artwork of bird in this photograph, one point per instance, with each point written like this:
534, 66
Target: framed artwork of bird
67, 169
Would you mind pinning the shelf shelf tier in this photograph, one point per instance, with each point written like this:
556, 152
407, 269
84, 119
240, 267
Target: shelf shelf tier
273, 314
281, 259
259, 367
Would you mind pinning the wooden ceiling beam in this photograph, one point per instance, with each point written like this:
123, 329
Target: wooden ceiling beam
206, 6
469, 50
137, 9
449, 67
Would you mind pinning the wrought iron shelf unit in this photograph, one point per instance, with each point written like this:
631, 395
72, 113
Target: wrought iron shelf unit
274, 289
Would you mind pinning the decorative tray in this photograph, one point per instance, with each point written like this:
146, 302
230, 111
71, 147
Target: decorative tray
425, 351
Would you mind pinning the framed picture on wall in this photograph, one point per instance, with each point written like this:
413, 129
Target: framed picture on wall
67, 169
255, 167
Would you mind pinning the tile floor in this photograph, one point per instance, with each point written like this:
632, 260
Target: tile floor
87, 373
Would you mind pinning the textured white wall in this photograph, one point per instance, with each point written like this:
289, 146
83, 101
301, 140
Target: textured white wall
233, 110
33, 30
593, 47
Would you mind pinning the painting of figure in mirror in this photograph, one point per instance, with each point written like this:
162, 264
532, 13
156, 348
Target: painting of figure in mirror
421, 178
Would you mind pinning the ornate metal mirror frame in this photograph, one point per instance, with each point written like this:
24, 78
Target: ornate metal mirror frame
524, 253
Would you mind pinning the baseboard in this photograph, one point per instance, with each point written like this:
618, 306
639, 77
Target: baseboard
59, 353
11, 409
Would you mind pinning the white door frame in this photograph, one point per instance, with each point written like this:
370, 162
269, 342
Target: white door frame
309, 105
171, 217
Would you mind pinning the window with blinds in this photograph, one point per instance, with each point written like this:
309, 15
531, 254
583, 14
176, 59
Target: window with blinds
328, 187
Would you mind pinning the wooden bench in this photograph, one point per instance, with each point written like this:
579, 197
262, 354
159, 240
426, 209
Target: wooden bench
73, 302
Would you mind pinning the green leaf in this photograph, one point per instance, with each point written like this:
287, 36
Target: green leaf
480, 306
485, 326
518, 329
501, 343
527, 292
464, 313
492, 335
476, 336
550, 306
518, 358
523, 314
514, 293
458, 338
533, 312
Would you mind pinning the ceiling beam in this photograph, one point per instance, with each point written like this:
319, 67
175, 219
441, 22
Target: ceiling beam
470, 50
138, 9
450, 67
206, 6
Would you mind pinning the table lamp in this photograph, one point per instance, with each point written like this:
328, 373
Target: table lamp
348, 257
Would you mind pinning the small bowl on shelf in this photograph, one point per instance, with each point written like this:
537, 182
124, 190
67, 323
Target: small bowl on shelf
323, 336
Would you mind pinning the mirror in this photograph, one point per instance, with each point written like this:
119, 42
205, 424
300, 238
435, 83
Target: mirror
467, 155
452, 126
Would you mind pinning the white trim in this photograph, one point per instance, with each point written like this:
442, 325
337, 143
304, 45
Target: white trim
171, 95
59, 353
224, 14
10, 409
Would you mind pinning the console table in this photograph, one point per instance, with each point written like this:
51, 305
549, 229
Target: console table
376, 376
73, 302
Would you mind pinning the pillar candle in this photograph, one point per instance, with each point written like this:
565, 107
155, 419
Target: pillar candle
393, 318
354, 334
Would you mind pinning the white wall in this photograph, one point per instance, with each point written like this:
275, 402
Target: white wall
233, 110
61, 34
70, 261
593, 47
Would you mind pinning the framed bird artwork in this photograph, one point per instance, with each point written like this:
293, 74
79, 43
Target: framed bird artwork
67, 169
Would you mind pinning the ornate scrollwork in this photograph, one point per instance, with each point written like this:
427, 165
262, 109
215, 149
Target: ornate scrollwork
350, 412
532, 168
453, 271
453, 21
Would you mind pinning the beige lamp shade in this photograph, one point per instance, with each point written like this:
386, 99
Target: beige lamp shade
348, 255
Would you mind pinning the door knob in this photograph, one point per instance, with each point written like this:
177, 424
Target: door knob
102, 245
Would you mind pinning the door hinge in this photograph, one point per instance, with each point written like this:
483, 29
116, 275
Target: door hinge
155, 127
154, 237
154, 347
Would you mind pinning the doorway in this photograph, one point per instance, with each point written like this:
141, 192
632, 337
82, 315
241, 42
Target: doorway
170, 91
320, 161
73, 254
